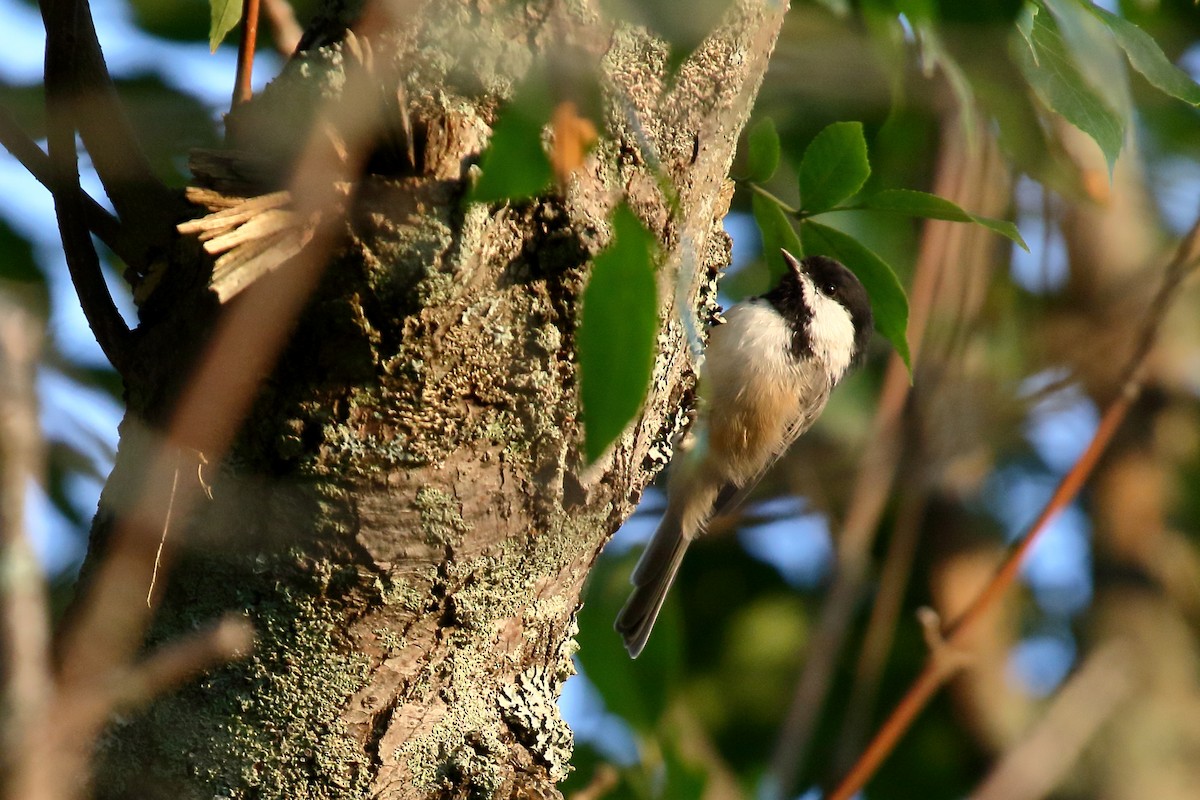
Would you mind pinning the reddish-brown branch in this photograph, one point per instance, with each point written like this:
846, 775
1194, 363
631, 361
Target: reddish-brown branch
242, 90
935, 672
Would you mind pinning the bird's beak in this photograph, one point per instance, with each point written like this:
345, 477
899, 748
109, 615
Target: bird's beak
793, 263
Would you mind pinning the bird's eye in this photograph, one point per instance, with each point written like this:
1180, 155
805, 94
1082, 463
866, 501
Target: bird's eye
829, 289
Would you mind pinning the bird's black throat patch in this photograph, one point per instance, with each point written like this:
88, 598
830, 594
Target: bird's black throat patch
788, 299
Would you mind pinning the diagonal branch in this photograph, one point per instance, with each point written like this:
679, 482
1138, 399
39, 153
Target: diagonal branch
23, 148
935, 672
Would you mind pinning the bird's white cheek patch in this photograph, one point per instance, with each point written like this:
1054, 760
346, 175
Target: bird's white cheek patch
831, 334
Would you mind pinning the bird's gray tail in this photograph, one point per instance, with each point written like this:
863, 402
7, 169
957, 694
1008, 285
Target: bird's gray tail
652, 577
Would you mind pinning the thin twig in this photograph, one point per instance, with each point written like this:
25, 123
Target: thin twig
165, 529
933, 676
983, 185
242, 90
881, 625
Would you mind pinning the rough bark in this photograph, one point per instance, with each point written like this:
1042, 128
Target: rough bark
406, 517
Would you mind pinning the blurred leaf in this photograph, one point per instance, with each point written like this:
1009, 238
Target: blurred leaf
777, 232
1048, 66
834, 166
26, 105
169, 122
935, 56
762, 151
930, 206
988, 57
979, 13
515, 164
617, 332
682, 27
225, 16
183, 20
1094, 53
686, 780
1148, 58
888, 301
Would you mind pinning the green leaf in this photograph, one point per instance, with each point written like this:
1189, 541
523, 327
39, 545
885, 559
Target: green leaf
1048, 66
225, 16
515, 164
834, 166
762, 151
685, 779
617, 333
1094, 52
1147, 57
931, 206
889, 305
777, 232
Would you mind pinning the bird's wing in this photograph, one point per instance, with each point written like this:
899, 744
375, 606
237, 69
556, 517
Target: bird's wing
731, 496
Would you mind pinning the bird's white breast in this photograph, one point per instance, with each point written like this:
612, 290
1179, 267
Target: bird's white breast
755, 390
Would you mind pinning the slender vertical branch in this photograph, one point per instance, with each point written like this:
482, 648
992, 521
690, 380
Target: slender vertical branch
968, 251
24, 621
242, 90
62, 68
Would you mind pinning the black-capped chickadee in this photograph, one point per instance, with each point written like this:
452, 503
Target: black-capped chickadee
768, 371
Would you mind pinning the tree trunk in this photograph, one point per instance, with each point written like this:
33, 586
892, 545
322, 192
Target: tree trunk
406, 517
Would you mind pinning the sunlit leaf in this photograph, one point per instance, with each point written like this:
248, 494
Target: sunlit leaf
225, 16
889, 305
515, 164
834, 166
762, 151
1048, 66
617, 332
1148, 58
931, 206
777, 232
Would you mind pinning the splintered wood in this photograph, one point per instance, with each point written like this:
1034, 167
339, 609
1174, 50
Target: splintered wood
249, 236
